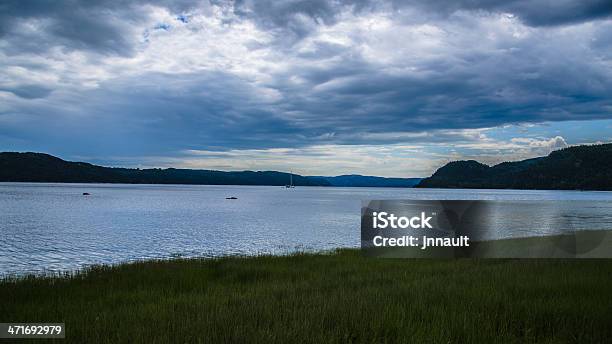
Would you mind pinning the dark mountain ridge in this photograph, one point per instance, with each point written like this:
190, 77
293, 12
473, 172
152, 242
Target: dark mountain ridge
40, 167
587, 167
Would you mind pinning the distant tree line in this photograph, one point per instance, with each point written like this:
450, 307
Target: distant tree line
39, 167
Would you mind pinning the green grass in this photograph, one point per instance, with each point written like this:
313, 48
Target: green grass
325, 298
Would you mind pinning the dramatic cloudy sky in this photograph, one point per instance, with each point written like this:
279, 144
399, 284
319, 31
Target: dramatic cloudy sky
392, 88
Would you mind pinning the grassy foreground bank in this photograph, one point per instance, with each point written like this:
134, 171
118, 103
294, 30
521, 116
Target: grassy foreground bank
339, 297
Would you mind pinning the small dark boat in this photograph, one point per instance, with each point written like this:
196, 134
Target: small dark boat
231, 197
86, 194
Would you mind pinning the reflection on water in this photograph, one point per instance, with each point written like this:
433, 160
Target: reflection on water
54, 227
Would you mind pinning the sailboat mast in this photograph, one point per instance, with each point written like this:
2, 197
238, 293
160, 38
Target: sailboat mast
290, 185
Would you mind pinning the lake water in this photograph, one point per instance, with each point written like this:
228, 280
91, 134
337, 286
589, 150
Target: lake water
54, 227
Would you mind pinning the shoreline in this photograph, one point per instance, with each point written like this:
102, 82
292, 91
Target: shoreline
300, 186
582, 244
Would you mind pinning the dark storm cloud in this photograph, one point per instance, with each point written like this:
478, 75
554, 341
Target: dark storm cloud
547, 13
532, 12
158, 114
99, 26
523, 82
82, 25
271, 14
29, 91
286, 14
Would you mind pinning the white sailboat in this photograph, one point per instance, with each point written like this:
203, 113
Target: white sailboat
290, 185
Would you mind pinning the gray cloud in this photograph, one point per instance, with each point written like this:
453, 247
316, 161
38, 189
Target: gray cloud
532, 12
548, 13
167, 116
29, 91
83, 25
291, 14
98, 26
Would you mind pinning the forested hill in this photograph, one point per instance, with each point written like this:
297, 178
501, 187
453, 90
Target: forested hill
587, 167
38, 167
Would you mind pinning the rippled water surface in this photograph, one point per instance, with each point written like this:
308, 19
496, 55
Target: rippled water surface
54, 227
